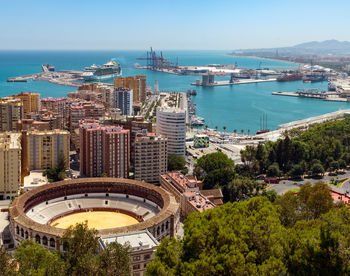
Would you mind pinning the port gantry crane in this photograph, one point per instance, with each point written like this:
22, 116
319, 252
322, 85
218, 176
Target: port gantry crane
155, 62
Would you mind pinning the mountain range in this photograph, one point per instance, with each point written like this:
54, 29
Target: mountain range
326, 47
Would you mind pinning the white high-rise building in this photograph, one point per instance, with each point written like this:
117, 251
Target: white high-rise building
171, 123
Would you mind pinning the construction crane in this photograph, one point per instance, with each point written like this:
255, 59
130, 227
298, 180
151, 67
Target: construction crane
155, 62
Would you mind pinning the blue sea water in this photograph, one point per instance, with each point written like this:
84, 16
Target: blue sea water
236, 107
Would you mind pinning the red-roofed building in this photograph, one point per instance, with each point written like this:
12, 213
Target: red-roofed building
186, 190
340, 197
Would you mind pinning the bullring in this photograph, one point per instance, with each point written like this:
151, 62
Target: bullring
32, 215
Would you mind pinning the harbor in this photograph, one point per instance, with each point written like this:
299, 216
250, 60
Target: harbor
241, 106
229, 82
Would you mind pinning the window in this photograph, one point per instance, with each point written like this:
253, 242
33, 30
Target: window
147, 257
37, 239
136, 258
52, 242
135, 267
44, 240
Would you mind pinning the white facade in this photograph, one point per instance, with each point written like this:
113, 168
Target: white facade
171, 123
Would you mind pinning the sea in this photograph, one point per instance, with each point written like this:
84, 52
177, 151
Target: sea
239, 107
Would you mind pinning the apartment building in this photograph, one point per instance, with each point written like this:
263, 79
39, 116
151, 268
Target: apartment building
104, 150
10, 164
11, 110
150, 157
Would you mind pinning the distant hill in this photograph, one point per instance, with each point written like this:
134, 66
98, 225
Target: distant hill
314, 47
329, 45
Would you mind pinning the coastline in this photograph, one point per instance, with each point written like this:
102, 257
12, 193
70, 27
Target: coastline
263, 58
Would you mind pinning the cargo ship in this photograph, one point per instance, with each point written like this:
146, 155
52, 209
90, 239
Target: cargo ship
312, 79
290, 77
107, 71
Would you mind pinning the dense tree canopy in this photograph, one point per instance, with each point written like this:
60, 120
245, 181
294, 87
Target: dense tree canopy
35, 259
176, 163
115, 260
298, 234
235, 239
322, 147
217, 170
81, 244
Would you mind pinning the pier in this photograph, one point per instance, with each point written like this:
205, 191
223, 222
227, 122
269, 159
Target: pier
66, 78
236, 82
304, 123
315, 94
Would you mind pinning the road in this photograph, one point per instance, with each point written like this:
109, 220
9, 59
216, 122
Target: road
286, 185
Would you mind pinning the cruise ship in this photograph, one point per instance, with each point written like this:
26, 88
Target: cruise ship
107, 71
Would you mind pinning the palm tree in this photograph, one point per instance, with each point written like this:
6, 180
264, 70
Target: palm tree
242, 130
224, 128
235, 131
248, 131
216, 127
206, 126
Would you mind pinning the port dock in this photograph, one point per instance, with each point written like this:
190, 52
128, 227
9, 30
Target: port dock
315, 94
228, 82
66, 78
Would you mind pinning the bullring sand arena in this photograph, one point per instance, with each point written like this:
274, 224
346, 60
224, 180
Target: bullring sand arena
95, 219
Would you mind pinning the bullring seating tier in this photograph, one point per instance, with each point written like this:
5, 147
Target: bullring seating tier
45, 212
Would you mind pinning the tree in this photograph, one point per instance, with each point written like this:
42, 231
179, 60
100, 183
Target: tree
240, 188
7, 265
115, 260
61, 163
296, 171
310, 203
334, 166
35, 259
261, 157
167, 260
81, 244
327, 257
248, 158
342, 164
273, 170
224, 128
215, 169
57, 173
176, 162
317, 170
244, 238
271, 195
214, 161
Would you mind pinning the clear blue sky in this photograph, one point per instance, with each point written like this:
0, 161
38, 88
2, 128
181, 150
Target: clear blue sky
165, 24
